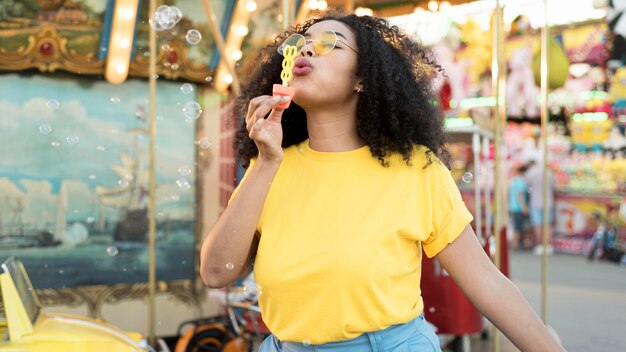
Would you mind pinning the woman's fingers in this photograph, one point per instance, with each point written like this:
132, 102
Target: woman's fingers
256, 108
261, 106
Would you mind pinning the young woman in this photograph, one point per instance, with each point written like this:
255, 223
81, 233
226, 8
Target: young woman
343, 191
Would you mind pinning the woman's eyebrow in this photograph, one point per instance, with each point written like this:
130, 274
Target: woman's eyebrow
341, 35
307, 35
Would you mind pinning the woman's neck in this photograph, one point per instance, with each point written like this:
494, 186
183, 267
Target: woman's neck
333, 131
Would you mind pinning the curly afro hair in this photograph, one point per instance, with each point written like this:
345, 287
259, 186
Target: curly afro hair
397, 109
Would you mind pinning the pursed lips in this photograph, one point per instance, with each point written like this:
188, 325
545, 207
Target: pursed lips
302, 66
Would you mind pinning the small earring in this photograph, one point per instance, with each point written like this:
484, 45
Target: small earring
358, 89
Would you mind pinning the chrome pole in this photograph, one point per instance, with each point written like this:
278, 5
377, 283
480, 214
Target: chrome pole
545, 35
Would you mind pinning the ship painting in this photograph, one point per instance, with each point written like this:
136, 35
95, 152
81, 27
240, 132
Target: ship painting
73, 195
130, 194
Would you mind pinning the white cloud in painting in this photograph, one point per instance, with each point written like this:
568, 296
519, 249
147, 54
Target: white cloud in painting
35, 161
97, 5
38, 142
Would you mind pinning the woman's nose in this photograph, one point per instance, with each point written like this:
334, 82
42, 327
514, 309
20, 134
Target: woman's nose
307, 50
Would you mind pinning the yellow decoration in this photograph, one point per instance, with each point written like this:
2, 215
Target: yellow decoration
590, 133
289, 52
558, 65
617, 91
477, 50
20, 321
31, 329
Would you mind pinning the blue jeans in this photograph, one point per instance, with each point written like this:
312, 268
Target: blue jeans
414, 336
536, 216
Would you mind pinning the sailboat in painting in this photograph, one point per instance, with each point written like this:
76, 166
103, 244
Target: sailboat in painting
130, 194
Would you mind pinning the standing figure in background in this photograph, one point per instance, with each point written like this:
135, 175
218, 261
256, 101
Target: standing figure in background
518, 207
534, 180
605, 236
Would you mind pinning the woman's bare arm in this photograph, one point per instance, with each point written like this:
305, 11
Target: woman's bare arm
494, 294
231, 244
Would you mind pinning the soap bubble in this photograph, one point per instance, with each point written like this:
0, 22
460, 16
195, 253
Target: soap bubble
192, 110
176, 14
204, 142
186, 88
53, 104
164, 17
230, 266
184, 170
72, 139
193, 36
468, 177
45, 128
115, 99
112, 251
183, 183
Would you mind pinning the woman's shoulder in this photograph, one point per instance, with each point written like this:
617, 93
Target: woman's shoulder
424, 158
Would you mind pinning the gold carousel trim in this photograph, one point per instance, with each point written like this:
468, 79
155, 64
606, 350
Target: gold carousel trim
172, 63
95, 297
48, 52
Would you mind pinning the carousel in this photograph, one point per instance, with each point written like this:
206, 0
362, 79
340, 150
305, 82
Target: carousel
118, 154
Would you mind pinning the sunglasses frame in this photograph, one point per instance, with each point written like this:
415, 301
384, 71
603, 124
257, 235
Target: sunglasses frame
307, 41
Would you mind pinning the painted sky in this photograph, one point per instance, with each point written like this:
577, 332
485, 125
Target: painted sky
89, 131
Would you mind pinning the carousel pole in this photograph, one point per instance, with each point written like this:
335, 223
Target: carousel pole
219, 42
500, 114
349, 6
545, 35
286, 13
151, 177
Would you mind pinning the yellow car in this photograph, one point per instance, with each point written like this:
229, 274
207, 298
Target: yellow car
27, 328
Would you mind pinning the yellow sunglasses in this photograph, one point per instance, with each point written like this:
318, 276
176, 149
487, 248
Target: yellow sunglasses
323, 43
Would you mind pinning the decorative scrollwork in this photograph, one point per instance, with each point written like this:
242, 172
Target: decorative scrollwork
184, 291
47, 51
172, 62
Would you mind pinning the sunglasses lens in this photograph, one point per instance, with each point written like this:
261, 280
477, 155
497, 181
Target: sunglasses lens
296, 40
325, 42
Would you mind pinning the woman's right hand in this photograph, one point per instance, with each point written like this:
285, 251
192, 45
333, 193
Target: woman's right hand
267, 134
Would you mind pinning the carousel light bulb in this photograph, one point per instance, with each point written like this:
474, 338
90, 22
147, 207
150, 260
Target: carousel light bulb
236, 55
445, 5
128, 13
251, 5
124, 42
122, 32
363, 11
242, 30
433, 5
120, 68
322, 5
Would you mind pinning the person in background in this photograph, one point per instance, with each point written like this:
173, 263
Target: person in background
534, 180
518, 206
605, 235
343, 192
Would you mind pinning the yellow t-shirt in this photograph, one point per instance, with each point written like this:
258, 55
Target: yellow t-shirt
341, 241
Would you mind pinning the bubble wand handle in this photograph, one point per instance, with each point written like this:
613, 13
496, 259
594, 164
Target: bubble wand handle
289, 52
